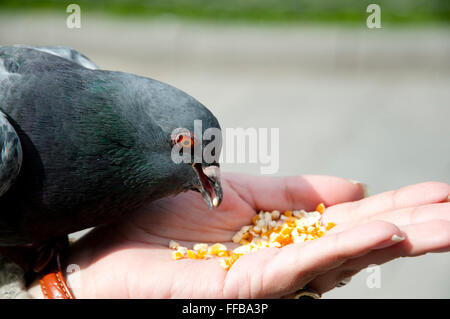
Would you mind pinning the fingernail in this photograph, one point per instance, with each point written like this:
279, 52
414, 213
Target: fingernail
364, 187
397, 238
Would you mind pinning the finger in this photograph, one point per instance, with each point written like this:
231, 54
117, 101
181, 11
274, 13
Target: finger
432, 236
410, 196
405, 216
282, 271
294, 192
415, 215
427, 237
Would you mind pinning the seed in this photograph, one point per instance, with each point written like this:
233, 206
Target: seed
237, 238
216, 249
201, 253
320, 208
177, 255
191, 254
268, 229
225, 253
287, 213
200, 247
275, 214
173, 244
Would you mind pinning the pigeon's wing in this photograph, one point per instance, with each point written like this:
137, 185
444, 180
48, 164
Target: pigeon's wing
21, 66
63, 52
10, 154
68, 54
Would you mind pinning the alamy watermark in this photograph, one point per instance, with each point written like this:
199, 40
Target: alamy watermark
73, 281
374, 279
231, 146
74, 19
374, 19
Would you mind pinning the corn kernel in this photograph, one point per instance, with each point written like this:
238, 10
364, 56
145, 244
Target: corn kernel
201, 253
287, 213
216, 249
224, 263
200, 247
237, 238
256, 229
290, 220
225, 253
177, 255
229, 261
173, 244
320, 208
275, 214
191, 254
268, 229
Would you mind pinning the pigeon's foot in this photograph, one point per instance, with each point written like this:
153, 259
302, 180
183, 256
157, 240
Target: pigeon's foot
20, 265
47, 251
12, 280
49, 268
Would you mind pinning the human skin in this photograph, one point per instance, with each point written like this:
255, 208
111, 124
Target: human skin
130, 258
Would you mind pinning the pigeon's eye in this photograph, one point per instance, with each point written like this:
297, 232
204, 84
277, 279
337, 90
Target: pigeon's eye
185, 140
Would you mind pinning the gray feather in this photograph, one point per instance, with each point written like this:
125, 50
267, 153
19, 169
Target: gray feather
10, 154
63, 52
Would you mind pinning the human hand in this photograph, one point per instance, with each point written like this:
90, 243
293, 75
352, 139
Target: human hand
131, 259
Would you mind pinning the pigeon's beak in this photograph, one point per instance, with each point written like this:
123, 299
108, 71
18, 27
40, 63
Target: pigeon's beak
209, 187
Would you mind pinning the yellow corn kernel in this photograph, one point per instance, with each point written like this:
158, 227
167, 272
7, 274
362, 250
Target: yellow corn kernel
290, 220
191, 254
287, 213
216, 249
225, 263
330, 225
320, 208
229, 261
177, 255
320, 233
286, 231
201, 253
225, 253
244, 242
247, 236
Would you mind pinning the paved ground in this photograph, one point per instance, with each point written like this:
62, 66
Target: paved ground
369, 105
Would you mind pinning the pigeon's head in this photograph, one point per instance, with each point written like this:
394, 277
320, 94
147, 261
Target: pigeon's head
183, 140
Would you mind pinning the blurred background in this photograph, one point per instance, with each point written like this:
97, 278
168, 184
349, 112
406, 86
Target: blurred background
371, 105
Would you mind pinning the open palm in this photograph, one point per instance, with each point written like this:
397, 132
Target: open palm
131, 259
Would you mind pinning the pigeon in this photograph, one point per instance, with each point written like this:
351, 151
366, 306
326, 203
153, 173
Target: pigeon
81, 146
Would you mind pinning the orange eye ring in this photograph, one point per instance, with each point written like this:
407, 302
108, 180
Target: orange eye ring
184, 139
